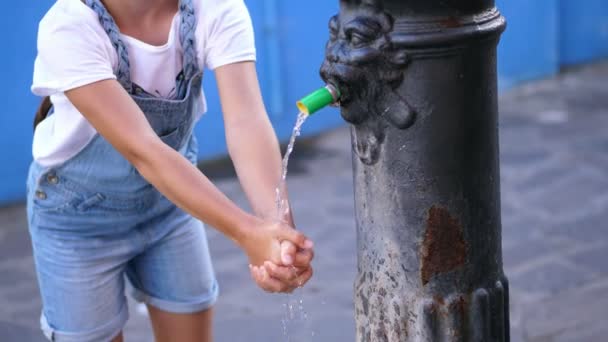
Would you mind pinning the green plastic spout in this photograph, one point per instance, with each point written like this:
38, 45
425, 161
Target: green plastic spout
319, 99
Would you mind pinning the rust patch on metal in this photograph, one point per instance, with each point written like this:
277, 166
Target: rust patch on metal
450, 22
460, 305
459, 308
443, 248
438, 299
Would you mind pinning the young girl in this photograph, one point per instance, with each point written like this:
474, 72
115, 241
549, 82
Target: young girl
113, 190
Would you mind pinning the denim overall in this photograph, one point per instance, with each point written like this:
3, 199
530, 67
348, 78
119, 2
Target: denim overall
94, 219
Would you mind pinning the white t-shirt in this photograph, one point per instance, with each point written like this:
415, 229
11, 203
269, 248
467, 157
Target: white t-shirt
74, 50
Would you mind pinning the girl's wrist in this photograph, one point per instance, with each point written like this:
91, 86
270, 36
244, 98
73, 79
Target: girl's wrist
243, 227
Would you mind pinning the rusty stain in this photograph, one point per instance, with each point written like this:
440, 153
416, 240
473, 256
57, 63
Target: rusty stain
450, 22
443, 249
439, 300
460, 305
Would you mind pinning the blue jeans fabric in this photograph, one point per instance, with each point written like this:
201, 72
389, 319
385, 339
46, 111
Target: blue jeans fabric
88, 238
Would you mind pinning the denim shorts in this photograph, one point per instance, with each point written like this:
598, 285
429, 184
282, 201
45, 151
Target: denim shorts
87, 239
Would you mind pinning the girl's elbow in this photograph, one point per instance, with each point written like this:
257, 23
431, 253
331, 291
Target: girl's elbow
143, 152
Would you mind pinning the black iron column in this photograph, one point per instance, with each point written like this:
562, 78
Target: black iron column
418, 83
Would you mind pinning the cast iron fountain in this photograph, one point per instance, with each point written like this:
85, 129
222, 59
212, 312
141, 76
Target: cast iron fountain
417, 81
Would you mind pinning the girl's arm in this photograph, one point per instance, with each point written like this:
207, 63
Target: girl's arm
108, 107
253, 145
251, 140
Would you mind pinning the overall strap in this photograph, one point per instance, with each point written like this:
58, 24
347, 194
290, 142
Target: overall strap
123, 73
187, 36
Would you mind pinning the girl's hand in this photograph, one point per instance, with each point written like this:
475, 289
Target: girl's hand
278, 278
303, 257
263, 243
273, 278
269, 245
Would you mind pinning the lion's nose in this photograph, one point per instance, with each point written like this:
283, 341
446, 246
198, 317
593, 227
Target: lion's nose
334, 51
332, 58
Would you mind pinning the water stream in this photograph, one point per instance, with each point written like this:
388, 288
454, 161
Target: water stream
295, 319
282, 205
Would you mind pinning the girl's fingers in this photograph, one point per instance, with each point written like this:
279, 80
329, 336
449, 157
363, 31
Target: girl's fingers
304, 258
288, 252
304, 277
290, 278
251, 273
297, 238
281, 273
271, 284
258, 277
255, 273
261, 279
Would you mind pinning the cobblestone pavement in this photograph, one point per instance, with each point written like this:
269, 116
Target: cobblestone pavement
554, 154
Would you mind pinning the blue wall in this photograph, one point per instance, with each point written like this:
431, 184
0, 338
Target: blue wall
529, 48
584, 30
19, 25
541, 37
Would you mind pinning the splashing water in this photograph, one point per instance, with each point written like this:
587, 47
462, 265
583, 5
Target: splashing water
294, 315
296, 327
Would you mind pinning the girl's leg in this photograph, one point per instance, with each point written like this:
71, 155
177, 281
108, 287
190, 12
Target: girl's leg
82, 289
174, 277
81, 284
196, 327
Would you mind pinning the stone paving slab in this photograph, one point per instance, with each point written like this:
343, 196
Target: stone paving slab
554, 161
574, 325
